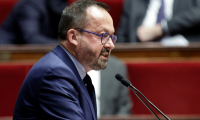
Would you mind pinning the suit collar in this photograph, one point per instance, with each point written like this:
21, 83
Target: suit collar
67, 60
79, 67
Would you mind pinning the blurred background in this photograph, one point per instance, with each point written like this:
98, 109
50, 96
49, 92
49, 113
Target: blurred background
158, 44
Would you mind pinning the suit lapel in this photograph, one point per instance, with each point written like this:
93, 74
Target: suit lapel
67, 60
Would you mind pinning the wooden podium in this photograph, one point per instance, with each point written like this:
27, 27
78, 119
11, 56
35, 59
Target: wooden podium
125, 51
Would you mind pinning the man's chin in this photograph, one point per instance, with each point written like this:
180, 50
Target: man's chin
100, 65
103, 64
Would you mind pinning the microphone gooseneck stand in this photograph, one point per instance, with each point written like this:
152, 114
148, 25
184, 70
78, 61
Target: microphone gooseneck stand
128, 84
134, 90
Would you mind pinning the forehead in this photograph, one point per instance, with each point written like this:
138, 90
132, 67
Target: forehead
99, 18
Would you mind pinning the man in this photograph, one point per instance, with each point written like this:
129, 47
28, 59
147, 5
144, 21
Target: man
176, 23
54, 88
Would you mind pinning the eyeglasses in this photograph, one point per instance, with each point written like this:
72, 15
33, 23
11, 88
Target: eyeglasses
104, 37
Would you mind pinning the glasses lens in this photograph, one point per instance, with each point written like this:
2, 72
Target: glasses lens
114, 39
105, 38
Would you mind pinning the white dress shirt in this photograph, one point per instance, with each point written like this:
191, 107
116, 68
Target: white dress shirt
151, 17
96, 81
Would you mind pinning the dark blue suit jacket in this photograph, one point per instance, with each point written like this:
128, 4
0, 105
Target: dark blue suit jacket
32, 22
54, 90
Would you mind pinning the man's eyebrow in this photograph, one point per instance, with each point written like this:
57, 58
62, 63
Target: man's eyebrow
106, 30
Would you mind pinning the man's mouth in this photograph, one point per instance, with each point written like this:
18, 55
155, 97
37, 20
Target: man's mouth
105, 54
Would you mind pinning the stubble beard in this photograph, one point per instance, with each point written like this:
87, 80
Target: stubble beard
101, 63
89, 58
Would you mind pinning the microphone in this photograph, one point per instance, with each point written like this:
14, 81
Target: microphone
127, 83
123, 80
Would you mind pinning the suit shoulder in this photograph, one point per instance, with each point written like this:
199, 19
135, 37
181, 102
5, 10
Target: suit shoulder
50, 63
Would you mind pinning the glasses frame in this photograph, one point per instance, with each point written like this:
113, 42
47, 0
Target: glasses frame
113, 40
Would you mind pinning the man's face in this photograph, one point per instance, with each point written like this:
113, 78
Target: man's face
93, 54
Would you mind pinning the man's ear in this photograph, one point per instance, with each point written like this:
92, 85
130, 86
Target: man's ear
72, 37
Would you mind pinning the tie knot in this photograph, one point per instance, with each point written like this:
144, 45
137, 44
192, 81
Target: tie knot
87, 80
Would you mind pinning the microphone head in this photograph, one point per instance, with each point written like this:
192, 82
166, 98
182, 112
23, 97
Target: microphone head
119, 77
123, 80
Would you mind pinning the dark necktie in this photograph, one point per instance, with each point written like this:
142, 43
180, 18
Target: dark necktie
91, 91
161, 14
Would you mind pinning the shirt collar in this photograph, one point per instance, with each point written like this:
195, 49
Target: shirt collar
79, 67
